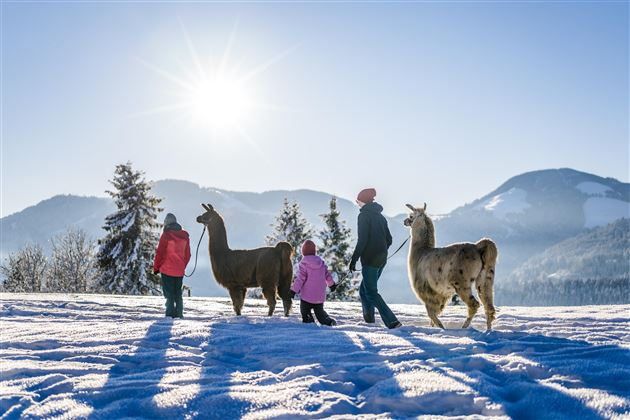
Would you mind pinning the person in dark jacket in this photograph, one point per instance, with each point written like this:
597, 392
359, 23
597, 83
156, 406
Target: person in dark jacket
374, 239
171, 258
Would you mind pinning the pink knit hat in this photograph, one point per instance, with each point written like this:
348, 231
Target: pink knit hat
308, 248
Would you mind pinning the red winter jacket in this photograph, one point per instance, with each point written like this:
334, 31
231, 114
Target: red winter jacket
173, 253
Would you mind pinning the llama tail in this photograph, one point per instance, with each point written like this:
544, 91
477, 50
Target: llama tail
488, 252
485, 279
286, 269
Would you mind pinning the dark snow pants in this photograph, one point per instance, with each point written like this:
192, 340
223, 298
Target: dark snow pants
320, 313
371, 299
172, 289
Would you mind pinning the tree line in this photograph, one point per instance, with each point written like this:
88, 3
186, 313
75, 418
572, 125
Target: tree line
121, 261
569, 292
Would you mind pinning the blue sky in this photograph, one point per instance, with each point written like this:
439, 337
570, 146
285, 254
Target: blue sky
436, 102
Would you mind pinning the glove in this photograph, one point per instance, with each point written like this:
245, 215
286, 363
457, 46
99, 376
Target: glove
333, 288
353, 266
292, 294
156, 272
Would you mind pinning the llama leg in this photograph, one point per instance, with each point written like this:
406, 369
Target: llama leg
435, 321
286, 305
432, 312
238, 297
284, 287
270, 294
465, 293
485, 287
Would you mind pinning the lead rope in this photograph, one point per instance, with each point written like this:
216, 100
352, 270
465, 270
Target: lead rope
196, 253
395, 252
400, 247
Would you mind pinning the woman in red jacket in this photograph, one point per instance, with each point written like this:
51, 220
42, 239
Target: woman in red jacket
171, 258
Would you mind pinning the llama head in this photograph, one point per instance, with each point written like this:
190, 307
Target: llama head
417, 218
208, 216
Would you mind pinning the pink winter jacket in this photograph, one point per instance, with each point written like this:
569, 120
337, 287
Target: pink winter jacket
311, 279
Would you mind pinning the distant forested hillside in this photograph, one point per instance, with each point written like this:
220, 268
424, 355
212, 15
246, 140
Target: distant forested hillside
590, 268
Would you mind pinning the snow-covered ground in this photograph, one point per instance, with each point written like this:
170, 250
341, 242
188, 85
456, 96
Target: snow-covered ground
110, 357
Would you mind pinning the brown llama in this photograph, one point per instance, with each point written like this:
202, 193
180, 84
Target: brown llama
436, 274
268, 267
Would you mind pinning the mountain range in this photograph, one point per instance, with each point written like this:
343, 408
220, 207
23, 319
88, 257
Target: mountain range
525, 216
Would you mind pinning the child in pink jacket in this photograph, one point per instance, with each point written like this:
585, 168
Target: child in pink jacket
310, 282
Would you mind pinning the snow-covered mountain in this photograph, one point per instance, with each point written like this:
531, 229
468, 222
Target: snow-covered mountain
554, 199
247, 215
535, 210
525, 215
38, 223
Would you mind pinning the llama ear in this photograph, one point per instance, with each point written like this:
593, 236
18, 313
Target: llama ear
410, 207
210, 208
205, 207
425, 207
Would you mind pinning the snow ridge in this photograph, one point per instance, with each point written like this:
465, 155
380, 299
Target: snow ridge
109, 357
504, 205
593, 188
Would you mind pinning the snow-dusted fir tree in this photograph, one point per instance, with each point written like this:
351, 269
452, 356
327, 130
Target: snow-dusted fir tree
335, 250
72, 264
125, 255
24, 270
292, 227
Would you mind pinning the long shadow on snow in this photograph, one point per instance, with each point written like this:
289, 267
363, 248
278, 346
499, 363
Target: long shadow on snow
253, 362
287, 357
134, 380
519, 389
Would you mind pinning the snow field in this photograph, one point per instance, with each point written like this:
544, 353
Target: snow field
96, 356
511, 202
593, 188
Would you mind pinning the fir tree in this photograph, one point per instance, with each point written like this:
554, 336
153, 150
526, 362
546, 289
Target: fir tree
125, 255
292, 227
24, 270
71, 268
335, 250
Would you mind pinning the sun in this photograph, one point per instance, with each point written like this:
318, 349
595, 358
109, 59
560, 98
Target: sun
218, 102
213, 95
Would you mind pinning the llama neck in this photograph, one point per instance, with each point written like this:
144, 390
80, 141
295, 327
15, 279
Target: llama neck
217, 238
423, 239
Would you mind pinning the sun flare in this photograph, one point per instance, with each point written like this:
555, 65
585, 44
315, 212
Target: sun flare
216, 95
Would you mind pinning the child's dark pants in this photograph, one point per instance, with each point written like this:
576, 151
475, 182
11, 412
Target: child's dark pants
320, 313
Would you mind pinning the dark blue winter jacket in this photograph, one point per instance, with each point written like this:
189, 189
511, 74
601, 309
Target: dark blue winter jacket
374, 237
